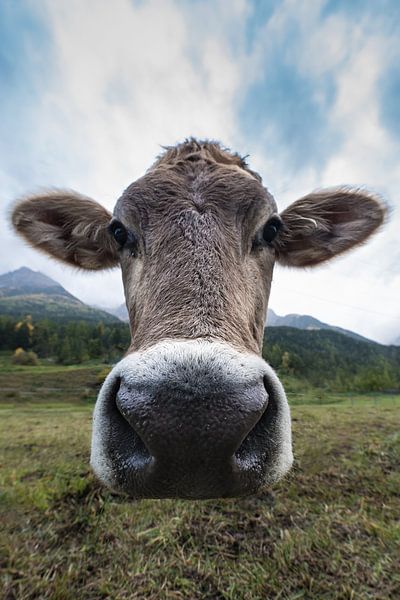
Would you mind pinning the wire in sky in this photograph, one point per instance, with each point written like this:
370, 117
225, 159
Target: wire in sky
341, 303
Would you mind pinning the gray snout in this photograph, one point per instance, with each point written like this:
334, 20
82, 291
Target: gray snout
191, 420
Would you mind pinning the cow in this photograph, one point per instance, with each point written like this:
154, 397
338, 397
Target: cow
192, 410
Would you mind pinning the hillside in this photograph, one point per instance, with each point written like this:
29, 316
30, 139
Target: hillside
329, 357
26, 292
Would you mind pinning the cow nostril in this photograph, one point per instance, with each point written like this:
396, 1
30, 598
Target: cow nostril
246, 455
115, 387
137, 453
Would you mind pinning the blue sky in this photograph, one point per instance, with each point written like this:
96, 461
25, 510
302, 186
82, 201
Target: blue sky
89, 90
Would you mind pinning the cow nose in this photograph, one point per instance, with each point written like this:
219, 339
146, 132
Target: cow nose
191, 419
187, 436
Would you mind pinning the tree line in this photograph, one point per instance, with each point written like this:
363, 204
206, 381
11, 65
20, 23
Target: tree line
323, 358
65, 343
329, 359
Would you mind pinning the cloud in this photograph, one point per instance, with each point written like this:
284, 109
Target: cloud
360, 291
125, 78
296, 85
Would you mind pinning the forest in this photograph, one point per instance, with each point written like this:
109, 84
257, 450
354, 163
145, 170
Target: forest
68, 343
321, 358
332, 360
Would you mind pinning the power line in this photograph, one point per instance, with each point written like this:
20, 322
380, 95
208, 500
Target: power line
386, 298
383, 268
341, 304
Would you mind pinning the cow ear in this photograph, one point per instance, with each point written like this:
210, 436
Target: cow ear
68, 227
326, 223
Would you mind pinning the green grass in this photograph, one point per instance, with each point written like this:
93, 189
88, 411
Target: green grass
49, 384
301, 392
329, 531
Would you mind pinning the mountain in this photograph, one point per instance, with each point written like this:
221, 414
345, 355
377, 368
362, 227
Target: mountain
273, 320
24, 281
120, 311
26, 292
307, 322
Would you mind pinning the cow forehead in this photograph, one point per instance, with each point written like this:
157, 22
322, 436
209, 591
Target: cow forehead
227, 189
192, 150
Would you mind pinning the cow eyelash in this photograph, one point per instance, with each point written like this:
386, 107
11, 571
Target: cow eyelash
123, 237
271, 229
268, 233
119, 232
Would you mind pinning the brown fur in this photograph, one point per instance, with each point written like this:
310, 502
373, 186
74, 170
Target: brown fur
326, 223
68, 226
195, 275
192, 150
196, 214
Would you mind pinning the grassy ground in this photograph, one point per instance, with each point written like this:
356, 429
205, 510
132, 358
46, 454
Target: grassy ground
331, 530
48, 384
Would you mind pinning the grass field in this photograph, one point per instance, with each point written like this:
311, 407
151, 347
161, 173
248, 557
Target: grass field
330, 530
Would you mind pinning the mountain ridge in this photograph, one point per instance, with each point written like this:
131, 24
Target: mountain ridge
27, 292
14, 283
307, 322
293, 320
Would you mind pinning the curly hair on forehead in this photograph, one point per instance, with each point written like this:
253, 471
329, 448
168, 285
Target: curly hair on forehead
208, 150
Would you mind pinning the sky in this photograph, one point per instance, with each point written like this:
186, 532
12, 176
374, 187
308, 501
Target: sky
90, 90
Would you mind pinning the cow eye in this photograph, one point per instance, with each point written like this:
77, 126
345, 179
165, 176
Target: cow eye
119, 233
271, 229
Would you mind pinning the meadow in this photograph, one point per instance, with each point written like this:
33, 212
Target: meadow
329, 530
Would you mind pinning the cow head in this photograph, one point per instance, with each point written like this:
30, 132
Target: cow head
192, 410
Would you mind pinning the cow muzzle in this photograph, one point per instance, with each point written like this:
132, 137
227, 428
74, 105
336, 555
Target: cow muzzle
191, 419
